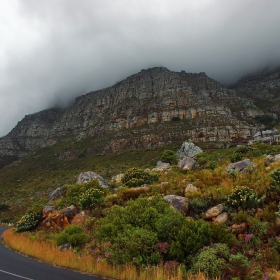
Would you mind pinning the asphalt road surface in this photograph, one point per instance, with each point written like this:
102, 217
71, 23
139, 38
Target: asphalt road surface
14, 266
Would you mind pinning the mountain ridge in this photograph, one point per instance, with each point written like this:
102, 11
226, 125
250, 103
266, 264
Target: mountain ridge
152, 107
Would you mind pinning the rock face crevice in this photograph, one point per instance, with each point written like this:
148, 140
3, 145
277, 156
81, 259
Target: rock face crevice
153, 107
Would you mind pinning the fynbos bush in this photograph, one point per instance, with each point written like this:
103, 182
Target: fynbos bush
91, 198
135, 177
72, 234
28, 221
244, 198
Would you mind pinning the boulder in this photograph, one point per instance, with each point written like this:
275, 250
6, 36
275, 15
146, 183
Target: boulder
190, 188
79, 219
240, 166
56, 194
47, 210
188, 149
162, 166
118, 178
70, 211
65, 247
214, 211
221, 218
238, 228
85, 177
177, 202
271, 159
187, 163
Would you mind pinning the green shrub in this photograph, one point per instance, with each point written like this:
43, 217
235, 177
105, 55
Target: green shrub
211, 165
28, 221
236, 157
137, 213
240, 217
198, 205
220, 234
135, 177
72, 234
276, 176
191, 237
211, 260
242, 149
167, 226
184, 236
169, 156
239, 265
135, 245
91, 198
73, 193
244, 198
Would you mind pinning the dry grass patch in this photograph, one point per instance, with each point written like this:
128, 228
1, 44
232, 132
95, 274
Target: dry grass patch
48, 252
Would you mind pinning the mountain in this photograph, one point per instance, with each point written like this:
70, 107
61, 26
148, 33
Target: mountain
152, 108
263, 88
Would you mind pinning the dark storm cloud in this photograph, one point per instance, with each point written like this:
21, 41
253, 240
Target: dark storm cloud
52, 51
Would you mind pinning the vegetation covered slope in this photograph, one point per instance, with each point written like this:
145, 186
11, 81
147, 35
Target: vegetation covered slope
138, 227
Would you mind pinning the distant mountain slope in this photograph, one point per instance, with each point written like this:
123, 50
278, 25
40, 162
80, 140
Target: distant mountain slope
263, 88
151, 108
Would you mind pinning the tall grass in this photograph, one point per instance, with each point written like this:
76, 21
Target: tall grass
48, 252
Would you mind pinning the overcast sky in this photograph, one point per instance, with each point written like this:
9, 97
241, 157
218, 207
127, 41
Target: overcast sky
54, 50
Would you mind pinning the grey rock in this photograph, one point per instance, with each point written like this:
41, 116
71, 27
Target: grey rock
56, 194
65, 247
70, 211
214, 211
188, 149
118, 178
240, 166
85, 177
163, 165
271, 159
187, 163
178, 202
47, 210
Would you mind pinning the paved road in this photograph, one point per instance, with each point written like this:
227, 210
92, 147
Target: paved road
13, 266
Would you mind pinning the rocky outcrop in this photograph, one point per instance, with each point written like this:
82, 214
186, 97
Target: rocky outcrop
85, 177
263, 88
187, 163
154, 107
57, 193
240, 166
266, 136
162, 166
188, 149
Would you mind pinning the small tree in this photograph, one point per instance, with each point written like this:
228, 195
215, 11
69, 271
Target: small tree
169, 156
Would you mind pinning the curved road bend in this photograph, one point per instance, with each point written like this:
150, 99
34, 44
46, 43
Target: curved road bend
13, 266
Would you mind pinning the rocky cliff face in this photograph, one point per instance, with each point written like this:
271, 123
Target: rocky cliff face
263, 89
153, 107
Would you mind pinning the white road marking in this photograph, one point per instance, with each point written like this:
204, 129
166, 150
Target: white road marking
15, 275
